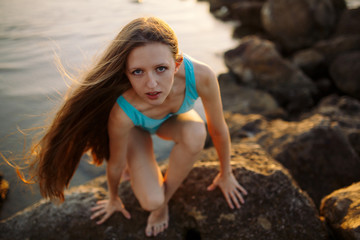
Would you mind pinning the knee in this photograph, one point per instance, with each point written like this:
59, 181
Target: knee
194, 136
152, 202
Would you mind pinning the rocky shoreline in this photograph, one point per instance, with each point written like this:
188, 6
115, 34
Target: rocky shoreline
292, 102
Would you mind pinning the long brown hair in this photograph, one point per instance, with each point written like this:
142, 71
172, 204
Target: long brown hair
80, 125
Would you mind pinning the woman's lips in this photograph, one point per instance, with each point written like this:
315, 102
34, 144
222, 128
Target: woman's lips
153, 95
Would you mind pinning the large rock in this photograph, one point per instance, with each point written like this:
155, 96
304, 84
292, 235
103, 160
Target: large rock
245, 100
298, 24
349, 22
275, 208
259, 65
342, 213
245, 127
310, 61
316, 60
316, 151
345, 72
346, 112
247, 11
336, 46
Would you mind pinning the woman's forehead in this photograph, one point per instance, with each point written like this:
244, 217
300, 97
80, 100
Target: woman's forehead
150, 54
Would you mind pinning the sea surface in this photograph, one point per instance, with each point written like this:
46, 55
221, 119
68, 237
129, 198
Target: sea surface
33, 32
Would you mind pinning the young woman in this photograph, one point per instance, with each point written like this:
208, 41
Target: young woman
141, 85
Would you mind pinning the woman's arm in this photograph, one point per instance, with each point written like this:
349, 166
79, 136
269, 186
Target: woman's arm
208, 90
119, 126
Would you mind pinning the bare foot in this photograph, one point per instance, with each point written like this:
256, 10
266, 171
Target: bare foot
158, 221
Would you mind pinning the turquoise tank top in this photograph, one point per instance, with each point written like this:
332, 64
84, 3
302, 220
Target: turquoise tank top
152, 125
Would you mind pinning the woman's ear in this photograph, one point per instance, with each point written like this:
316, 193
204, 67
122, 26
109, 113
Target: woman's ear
179, 60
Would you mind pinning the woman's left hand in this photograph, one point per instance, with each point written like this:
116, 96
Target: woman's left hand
231, 189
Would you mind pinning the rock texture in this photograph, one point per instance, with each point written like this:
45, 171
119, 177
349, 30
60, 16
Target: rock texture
276, 208
318, 151
259, 65
342, 213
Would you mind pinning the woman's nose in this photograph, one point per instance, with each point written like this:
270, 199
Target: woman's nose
151, 81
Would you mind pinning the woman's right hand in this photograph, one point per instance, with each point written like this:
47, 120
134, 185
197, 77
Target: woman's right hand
107, 208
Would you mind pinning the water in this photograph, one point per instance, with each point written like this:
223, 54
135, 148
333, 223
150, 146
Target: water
30, 85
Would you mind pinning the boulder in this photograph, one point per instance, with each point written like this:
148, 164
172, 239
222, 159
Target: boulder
245, 127
316, 151
310, 61
336, 46
298, 24
275, 208
341, 211
258, 64
349, 22
245, 100
345, 111
248, 12
345, 72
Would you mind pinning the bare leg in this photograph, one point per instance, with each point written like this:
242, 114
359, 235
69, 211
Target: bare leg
145, 175
125, 176
188, 132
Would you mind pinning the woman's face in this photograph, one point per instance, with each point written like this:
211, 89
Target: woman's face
150, 70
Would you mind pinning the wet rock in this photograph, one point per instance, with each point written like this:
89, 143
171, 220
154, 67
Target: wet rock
259, 65
298, 24
341, 212
316, 151
275, 208
345, 72
245, 100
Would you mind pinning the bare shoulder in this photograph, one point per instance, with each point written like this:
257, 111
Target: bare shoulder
119, 122
206, 80
203, 73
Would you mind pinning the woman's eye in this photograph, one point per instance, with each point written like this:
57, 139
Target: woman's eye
161, 69
137, 72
